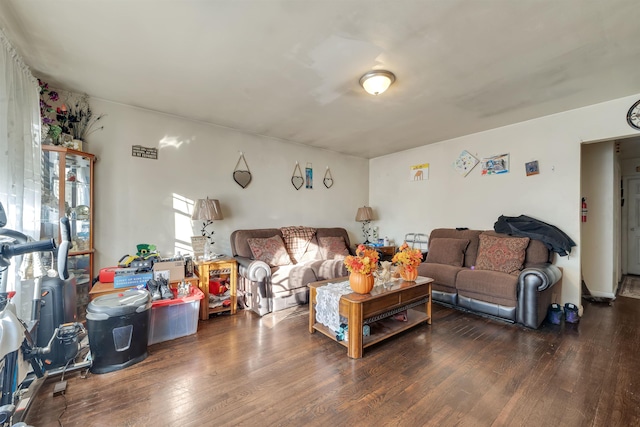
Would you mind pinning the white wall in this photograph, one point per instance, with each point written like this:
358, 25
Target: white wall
599, 236
134, 197
450, 200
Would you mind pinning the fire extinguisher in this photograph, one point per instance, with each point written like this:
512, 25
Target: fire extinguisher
584, 209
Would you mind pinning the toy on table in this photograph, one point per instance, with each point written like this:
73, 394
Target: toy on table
143, 259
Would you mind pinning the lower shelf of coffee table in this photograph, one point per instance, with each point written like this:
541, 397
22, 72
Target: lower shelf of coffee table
381, 329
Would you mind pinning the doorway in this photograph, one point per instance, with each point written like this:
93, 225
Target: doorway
632, 200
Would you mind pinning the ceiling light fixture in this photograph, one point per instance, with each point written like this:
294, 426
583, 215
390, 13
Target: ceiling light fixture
377, 81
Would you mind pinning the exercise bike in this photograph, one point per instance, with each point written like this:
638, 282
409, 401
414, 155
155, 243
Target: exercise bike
25, 362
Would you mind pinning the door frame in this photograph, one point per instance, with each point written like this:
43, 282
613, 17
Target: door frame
624, 226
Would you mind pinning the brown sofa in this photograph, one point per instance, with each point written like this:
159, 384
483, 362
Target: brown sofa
476, 271
273, 284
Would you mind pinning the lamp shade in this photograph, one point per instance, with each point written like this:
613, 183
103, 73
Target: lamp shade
377, 81
207, 210
364, 214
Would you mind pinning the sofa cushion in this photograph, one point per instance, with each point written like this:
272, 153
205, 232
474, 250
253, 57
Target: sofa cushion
472, 250
537, 251
327, 269
240, 245
503, 254
333, 247
270, 250
288, 277
490, 286
313, 250
296, 239
447, 251
443, 275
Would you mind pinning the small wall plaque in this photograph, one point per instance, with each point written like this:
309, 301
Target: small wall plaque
532, 168
144, 152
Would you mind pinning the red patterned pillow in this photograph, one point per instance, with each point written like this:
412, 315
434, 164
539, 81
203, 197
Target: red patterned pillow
333, 247
270, 250
504, 254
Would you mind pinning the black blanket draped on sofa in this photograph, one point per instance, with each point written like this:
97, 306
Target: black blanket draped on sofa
525, 226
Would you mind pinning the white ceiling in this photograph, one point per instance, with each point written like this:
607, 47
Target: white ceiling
289, 69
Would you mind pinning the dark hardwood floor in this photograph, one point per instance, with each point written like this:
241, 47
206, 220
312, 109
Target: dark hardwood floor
463, 370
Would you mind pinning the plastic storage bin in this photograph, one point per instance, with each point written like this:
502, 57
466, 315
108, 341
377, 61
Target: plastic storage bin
175, 318
118, 326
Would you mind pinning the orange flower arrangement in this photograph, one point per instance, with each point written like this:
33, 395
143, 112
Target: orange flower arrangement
407, 258
365, 261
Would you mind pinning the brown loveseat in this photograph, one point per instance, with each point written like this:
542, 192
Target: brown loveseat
481, 272
275, 265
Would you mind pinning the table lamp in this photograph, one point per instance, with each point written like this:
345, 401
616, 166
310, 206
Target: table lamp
365, 215
207, 210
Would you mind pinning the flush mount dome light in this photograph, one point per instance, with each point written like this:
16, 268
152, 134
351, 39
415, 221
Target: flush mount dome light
377, 81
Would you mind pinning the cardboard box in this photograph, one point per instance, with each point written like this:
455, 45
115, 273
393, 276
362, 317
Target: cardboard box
123, 280
175, 268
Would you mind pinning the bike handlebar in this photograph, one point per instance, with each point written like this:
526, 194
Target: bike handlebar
16, 249
63, 252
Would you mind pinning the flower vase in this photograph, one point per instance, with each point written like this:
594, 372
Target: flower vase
361, 283
76, 144
44, 132
409, 274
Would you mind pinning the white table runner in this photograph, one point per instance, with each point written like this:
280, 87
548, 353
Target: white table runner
328, 302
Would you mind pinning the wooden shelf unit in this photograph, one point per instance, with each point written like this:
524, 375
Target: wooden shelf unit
203, 270
381, 329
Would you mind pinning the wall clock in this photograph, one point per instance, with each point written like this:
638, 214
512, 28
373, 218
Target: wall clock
633, 116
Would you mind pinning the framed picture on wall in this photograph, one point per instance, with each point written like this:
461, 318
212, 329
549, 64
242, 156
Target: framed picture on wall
495, 165
419, 172
464, 163
532, 168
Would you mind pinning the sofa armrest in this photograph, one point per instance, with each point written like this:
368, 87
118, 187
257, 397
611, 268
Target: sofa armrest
534, 293
253, 270
540, 276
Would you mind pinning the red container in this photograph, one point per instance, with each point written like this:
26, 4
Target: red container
107, 274
195, 295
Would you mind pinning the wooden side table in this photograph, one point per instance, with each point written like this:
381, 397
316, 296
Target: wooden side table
100, 288
387, 251
225, 266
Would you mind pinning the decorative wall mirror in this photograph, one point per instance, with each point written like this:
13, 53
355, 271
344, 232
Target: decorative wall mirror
242, 176
297, 180
328, 179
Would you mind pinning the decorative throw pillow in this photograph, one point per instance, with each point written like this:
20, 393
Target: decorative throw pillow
296, 240
447, 251
505, 254
270, 250
333, 247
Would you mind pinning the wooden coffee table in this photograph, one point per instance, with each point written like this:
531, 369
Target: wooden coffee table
376, 309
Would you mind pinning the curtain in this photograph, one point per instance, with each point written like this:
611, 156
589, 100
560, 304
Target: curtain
20, 153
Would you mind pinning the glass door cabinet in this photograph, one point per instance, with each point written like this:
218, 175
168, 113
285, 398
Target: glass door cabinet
67, 189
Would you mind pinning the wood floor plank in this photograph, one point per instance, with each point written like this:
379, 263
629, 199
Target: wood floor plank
462, 370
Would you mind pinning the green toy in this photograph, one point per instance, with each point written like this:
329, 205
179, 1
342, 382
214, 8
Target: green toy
145, 250
144, 258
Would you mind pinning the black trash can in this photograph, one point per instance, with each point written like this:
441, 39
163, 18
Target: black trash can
118, 326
